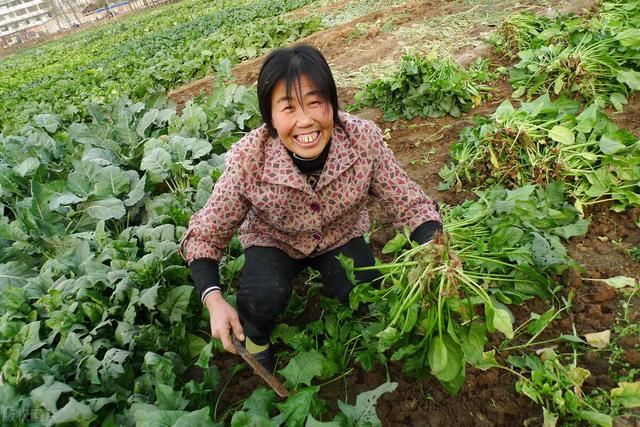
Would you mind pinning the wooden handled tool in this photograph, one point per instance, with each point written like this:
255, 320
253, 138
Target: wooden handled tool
258, 368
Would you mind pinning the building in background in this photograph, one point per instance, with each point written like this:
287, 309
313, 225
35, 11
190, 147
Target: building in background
22, 20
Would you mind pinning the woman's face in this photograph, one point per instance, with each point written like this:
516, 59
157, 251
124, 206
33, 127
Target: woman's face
304, 125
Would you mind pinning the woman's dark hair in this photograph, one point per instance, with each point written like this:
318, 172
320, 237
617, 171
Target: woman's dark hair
288, 64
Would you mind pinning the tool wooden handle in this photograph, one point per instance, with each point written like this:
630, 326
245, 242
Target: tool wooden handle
258, 368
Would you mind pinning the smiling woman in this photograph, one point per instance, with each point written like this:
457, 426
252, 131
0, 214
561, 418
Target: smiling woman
296, 190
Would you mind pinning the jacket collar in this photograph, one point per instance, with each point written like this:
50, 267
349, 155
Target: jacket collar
280, 169
341, 157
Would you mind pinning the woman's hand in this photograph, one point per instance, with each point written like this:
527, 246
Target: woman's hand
223, 318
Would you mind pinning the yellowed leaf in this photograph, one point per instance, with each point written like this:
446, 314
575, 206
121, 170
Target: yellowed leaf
599, 339
494, 159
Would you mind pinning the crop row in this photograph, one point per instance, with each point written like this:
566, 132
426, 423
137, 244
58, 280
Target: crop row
139, 54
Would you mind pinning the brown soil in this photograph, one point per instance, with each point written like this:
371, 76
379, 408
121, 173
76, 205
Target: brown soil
422, 147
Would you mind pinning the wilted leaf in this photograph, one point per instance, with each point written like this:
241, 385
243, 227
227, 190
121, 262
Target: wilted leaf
364, 413
627, 394
621, 282
598, 339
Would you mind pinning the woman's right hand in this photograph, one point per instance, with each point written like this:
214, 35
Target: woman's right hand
223, 318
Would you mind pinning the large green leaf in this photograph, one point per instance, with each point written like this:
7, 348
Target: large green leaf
27, 166
610, 146
151, 416
629, 37
113, 182
110, 208
75, 412
14, 273
298, 406
157, 164
47, 395
503, 319
259, 402
445, 357
176, 302
199, 418
137, 192
302, 368
64, 199
200, 148
146, 121
84, 177
29, 335
47, 121
248, 419
168, 398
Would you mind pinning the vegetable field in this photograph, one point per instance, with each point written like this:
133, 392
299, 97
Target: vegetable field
522, 121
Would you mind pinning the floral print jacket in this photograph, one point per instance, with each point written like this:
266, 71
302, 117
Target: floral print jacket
264, 194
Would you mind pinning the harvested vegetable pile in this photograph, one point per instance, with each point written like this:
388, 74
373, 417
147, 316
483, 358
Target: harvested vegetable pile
440, 299
546, 140
427, 87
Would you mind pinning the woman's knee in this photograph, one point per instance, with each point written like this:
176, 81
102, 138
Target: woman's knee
264, 299
265, 284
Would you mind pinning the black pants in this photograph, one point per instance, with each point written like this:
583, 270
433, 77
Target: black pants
266, 282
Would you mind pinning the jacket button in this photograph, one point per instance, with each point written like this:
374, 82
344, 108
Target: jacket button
315, 206
317, 236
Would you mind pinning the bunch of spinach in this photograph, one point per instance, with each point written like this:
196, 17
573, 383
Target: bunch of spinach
427, 87
546, 140
595, 58
519, 32
495, 251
